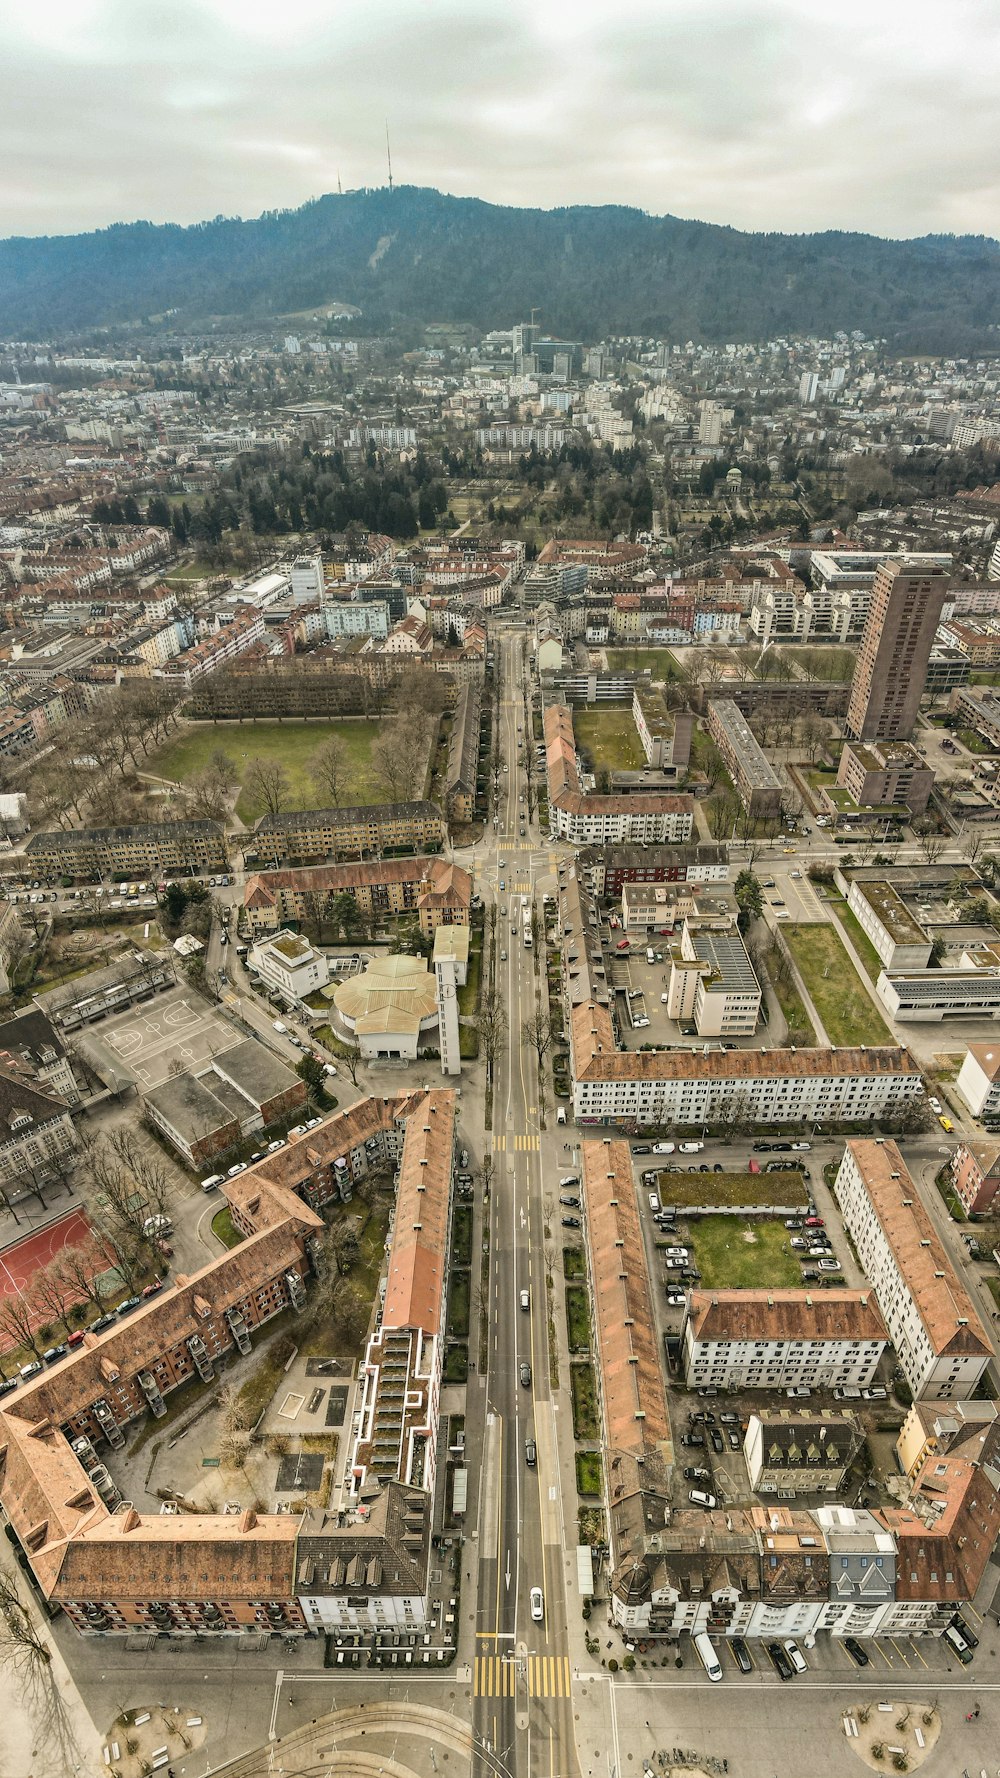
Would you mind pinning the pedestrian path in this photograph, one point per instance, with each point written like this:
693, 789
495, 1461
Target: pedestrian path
547, 1676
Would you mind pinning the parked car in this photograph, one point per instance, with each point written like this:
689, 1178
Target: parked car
697, 1475
829, 1265
717, 1444
729, 1419
741, 1654
795, 1655
733, 1437
571, 1222
780, 1661
793, 1222
570, 1203
698, 1497
858, 1655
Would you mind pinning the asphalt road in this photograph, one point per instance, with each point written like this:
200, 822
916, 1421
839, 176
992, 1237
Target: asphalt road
523, 1714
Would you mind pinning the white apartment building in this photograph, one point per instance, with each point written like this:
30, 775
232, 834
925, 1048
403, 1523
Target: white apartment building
781, 1339
972, 991
307, 579
712, 981
884, 917
621, 820
762, 1086
289, 963
356, 617
979, 1079
932, 1322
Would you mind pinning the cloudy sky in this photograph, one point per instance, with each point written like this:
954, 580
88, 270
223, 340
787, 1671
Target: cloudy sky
767, 114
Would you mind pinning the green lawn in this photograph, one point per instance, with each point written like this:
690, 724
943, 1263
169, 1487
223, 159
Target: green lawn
800, 1029
584, 1392
832, 981
223, 1228
732, 1189
734, 1255
468, 995
635, 660
588, 1472
859, 938
577, 1318
292, 744
608, 736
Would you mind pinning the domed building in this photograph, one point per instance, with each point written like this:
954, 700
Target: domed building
391, 1009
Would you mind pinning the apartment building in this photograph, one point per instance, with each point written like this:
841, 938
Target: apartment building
307, 836
933, 1324
356, 617
115, 1570
800, 1450
633, 1404
908, 595
439, 892
289, 963
586, 819
781, 1339
463, 756
979, 1080
886, 774
642, 1087
712, 981
608, 868
757, 784
233, 636
189, 847
975, 1175
30, 1046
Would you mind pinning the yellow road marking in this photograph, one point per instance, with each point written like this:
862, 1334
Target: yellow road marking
549, 1676
882, 1652
916, 1651
899, 1651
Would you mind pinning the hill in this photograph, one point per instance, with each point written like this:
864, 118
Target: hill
421, 255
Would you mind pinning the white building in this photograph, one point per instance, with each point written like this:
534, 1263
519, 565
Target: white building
972, 991
884, 917
289, 963
307, 579
356, 617
933, 1324
712, 981
781, 1339
776, 1086
451, 968
979, 1079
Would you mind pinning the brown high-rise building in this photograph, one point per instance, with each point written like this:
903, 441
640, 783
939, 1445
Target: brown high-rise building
896, 642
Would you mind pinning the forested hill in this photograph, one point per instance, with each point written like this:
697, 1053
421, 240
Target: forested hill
421, 255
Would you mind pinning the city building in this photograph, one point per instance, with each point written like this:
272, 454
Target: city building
978, 707
391, 1008
463, 756
451, 969
31, 1047
931, 1429
191, 848
886, 920
133, 977
939, 1339
970, 991
975, 1175
887, 775
800, 1450
587, 819
207, 1112
908, 595
978, 1080
781, 1339
757, 784
712, 981
290, 963
608, 868
643, 1087
436, 890
309, 836
633, 1404
37, 1133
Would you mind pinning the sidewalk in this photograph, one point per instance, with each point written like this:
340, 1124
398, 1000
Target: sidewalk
47, 1729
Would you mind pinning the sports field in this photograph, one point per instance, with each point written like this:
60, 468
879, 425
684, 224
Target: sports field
291, 745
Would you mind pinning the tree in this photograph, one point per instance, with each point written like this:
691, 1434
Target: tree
537, 1033
17, 1323
329, 770
349, 1054
749, 898
21, 1646
79, 1269
311, 1071
492, 1025
265, 781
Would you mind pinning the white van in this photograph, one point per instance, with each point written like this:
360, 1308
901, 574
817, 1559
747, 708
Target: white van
690, 1147
708, 1657
212, 1183
278, 1026
650, 954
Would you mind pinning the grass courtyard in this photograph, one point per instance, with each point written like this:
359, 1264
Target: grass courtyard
834, 986
660, 662
732, 1254
608, 736
292, 745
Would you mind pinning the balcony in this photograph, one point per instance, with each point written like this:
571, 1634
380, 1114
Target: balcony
108, 1424
239, 1330
203, 1363
151, 1390
296, 1289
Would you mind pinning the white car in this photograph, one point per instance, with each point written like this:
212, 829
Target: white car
654, 1200
802, 1147
663, 1148
794, 1654
537, 1605
935, 1105
828, 1265
698, 1498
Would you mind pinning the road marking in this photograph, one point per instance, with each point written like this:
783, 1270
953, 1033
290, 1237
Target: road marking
549, 1676
526, 1144
499, 1141
916, 1651
899, 1651
495, 1677
882, 1652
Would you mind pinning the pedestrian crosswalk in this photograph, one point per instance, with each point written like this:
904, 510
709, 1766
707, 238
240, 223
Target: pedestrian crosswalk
500, 1676
521, 1144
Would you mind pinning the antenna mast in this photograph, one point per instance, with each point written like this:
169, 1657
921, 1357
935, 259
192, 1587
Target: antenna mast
388, 156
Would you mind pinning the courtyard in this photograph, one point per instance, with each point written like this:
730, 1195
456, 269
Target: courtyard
291, 745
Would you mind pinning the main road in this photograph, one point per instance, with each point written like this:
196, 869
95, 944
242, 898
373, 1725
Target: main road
522, 1712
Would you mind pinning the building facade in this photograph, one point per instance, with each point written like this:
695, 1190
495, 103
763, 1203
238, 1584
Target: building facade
907, 600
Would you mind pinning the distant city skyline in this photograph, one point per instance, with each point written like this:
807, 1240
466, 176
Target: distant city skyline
763, 114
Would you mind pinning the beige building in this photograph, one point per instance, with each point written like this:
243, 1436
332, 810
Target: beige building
316, 835
886, 774
800, 1450
436, 890
191, 847
712, 981
757, 784
907, 599
779, 1339
391, 1009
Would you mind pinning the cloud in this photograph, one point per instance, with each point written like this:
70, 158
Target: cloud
766, 114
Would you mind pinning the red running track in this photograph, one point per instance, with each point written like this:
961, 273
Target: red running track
18, 1264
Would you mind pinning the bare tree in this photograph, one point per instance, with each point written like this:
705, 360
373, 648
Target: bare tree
350, 1055
492, 1025
537, 1033
53, 1294
78, 1268
17, 1323
329, 770
21, 1646
265, 781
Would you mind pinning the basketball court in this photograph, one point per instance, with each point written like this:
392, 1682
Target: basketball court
173, 1028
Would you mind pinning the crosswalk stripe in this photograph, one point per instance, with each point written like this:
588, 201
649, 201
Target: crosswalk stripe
500, 1141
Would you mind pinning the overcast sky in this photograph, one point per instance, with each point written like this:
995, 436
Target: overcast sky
767, 114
